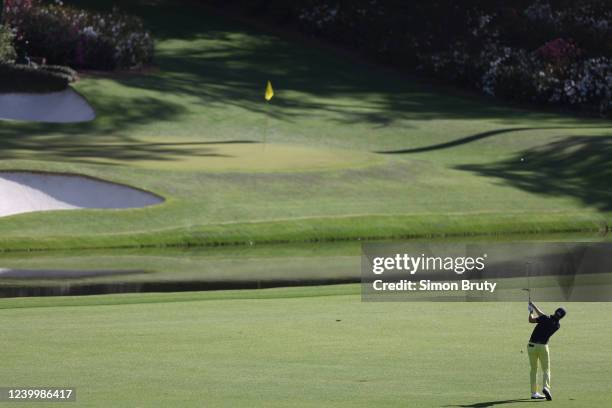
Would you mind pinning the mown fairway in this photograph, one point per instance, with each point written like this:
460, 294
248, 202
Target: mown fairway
352, 150
296, 347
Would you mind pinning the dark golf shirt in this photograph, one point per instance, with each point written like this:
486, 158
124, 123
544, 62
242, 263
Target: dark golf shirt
546, 327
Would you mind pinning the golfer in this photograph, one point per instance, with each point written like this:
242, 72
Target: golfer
537, 349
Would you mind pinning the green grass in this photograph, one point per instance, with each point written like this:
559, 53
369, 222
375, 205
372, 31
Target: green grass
452, 163
296, 347
316, 229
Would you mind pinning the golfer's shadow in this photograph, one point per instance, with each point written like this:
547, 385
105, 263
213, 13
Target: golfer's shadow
492, 403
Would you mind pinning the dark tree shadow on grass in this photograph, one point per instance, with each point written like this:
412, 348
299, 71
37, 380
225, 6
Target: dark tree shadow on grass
113, 114
108, 137
473, 138
97, 153
577, 166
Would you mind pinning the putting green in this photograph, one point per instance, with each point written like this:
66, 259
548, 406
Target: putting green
249, 157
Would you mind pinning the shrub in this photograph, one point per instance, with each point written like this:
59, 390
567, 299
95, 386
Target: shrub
35, 79
589, 83
7, 51
511, 76
66, 35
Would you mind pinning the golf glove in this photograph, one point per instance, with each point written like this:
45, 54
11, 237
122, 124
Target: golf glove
530, 308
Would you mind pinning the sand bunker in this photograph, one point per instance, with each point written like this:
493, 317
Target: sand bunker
23, 192
65, 106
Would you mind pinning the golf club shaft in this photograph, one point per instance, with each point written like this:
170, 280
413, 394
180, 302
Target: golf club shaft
527, 267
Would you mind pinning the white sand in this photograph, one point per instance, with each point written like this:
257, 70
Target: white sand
66, 106
23, 192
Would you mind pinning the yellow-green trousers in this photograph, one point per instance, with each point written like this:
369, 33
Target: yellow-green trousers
539, 352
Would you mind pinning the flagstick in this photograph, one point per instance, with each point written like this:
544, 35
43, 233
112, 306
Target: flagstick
268, 95
265, 133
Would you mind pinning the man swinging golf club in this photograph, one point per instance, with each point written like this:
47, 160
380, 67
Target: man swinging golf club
537, 349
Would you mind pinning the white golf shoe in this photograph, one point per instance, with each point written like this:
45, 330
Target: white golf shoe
537, 395
547, 393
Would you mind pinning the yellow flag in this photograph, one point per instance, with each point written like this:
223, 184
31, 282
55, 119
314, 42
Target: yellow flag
269, 91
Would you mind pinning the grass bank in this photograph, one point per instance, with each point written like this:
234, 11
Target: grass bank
353, 228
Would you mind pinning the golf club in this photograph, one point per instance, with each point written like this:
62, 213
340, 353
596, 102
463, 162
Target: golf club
529, 293
528, 288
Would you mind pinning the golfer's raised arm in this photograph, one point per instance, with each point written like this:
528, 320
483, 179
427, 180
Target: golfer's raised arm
538, 311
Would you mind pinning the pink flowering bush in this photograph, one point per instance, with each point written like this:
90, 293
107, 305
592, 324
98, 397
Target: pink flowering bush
64, 35
558, 51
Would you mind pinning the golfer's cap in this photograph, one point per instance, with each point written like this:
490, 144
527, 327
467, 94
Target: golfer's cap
560, 312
